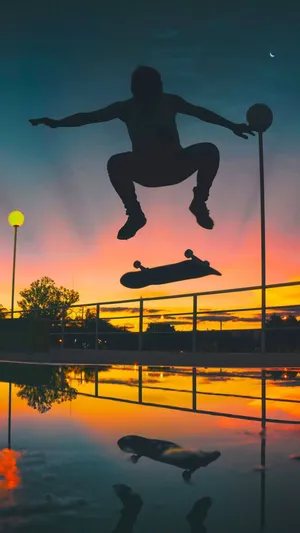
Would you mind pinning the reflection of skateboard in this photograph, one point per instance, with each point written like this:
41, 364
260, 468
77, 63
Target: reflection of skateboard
194, 268
167, 452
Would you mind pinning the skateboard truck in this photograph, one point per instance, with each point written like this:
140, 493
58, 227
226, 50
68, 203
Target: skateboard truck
189, 254
138, 264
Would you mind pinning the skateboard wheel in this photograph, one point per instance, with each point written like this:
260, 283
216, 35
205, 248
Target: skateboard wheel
188, 253
207, 263
137, 264
186, 475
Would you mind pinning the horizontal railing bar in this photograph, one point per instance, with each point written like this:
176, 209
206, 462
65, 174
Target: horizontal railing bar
244, 309
183, 313
168, 297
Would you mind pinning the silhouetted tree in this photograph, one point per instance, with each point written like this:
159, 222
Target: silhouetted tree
103, 325
3, 312
160, 327
43, 293
279, 321
291, 321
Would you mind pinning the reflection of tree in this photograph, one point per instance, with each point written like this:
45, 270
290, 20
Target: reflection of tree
86, 373
42, 397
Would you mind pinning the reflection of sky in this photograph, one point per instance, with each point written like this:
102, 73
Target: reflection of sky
59, 61
71, 453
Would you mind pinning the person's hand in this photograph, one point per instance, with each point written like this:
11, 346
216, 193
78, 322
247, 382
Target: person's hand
242, 130
51, 123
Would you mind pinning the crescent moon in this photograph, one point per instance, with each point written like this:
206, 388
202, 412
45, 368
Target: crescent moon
272, 55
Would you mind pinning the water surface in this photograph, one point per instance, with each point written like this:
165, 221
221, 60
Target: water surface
61, 466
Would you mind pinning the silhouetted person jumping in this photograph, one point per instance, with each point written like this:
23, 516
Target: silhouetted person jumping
157, 158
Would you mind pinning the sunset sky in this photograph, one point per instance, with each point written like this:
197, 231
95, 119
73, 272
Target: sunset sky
65, 57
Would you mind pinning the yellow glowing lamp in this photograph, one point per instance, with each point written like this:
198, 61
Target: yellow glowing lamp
16, 219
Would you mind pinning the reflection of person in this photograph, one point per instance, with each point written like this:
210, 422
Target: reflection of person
157, 158
167, 452
198, 514
133, 503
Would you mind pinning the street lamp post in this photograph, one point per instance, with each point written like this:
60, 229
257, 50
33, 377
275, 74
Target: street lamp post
15, 219
260, 118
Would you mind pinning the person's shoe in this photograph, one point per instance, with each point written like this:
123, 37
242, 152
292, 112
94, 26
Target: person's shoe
136, 220
199, 209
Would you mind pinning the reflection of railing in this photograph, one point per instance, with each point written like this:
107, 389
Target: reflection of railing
193, 316
194, 392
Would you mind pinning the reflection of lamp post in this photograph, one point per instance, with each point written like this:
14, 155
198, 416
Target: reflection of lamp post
15, 219
260, 118
263, 451
9, 417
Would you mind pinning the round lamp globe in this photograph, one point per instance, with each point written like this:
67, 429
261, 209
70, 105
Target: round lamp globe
16, 219
259, 117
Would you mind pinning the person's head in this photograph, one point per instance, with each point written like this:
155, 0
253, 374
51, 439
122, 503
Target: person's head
146, 84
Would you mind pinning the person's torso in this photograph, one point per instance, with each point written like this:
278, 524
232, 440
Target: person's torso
152, 129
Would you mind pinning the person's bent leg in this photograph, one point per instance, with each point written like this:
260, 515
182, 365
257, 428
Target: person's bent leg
207, 158
208, 168
121, 170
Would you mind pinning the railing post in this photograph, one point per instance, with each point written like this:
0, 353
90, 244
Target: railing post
141, 324
194, 345
97, 326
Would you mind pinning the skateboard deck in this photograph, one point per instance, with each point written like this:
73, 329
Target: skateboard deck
192, 268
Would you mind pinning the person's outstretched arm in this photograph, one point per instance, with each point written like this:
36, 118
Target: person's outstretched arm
81, 119
181, 106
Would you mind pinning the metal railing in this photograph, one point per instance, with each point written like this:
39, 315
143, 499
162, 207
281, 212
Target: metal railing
195, 314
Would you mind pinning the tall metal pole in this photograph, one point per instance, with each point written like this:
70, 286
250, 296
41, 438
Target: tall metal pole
263, 240
14, 271
260, 118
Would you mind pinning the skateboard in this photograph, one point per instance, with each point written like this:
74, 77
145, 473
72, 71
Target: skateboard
190, 269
